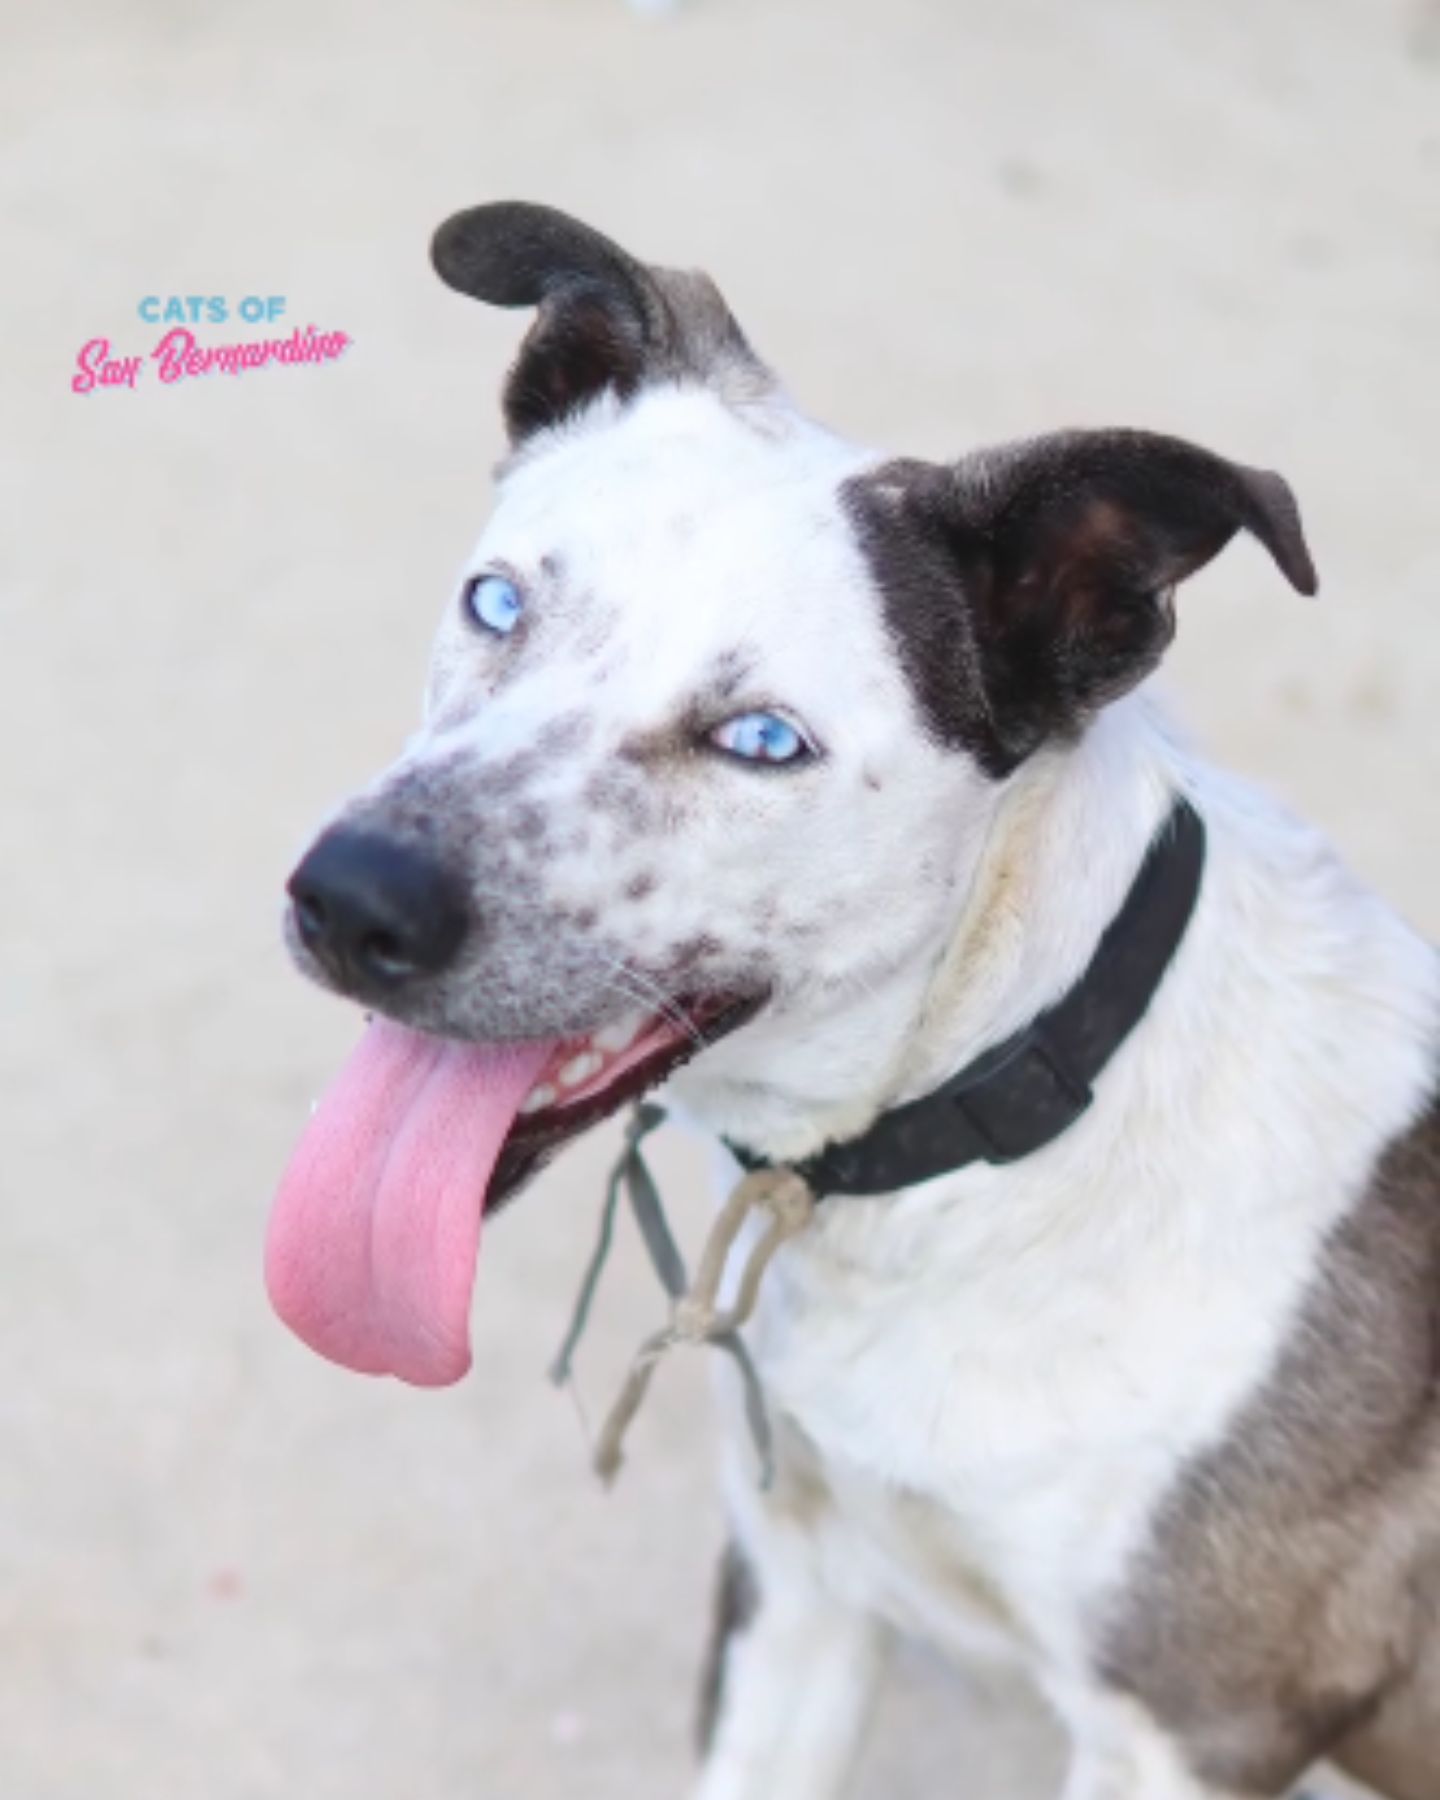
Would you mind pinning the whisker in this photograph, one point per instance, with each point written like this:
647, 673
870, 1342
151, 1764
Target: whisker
644, 988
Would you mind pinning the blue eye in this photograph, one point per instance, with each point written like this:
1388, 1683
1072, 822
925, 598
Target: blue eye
494, 604
761, 737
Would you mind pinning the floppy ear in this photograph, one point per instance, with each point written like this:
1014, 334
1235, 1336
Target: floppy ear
1028, 586
607, 323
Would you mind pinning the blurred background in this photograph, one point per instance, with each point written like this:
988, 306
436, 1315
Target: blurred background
226, 1569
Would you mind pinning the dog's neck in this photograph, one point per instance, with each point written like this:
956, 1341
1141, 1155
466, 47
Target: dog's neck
1065, 842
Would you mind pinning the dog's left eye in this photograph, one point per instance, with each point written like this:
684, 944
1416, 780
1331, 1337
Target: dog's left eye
493, 603
761, 737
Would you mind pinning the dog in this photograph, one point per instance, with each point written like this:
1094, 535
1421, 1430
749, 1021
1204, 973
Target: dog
788, 779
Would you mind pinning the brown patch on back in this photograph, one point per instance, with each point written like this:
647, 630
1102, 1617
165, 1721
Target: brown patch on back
1291, 1589
1398, 1752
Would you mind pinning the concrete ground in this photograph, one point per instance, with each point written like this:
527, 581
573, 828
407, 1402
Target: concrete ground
227, 1571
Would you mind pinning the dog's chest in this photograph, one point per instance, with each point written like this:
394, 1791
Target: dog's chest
902, 1555
976, 1435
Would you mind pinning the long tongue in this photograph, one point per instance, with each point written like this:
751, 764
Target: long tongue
370, 1256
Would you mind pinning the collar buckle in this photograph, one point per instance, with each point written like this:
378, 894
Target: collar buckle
1020, 1096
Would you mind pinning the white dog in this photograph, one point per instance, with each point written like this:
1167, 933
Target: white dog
1113, 1342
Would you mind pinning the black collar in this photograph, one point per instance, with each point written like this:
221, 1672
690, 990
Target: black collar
1022, 1094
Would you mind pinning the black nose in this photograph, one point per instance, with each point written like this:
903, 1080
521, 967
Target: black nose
374, 911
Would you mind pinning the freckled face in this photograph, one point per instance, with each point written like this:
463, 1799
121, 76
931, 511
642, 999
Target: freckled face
666, 740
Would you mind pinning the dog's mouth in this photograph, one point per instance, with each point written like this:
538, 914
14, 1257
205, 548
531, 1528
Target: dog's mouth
375, 1231
587, 1079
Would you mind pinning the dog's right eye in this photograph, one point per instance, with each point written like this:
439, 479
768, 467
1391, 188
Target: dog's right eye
493, 603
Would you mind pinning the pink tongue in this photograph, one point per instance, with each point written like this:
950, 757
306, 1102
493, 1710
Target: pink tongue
371, 1251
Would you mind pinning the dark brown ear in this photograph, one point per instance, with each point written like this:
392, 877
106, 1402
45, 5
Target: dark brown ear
1030, 585
607, 323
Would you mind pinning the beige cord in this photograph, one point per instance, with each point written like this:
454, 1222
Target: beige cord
695, 1317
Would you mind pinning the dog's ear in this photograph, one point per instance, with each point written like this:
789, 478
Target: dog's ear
1029, 585
607, 323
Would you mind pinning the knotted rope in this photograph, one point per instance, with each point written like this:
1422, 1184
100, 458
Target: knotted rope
696, 1316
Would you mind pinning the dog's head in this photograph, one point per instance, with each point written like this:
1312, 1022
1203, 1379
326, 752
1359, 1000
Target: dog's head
716, 722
